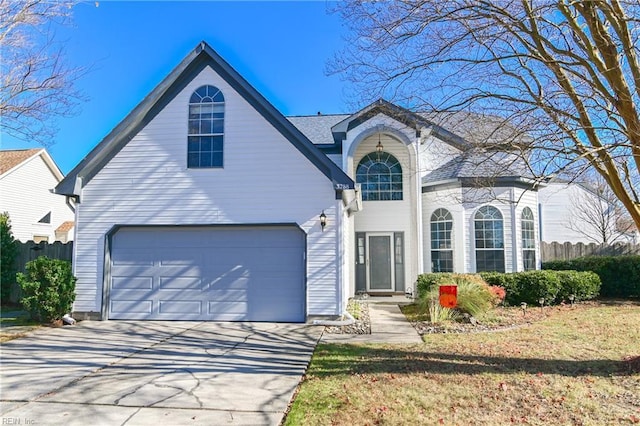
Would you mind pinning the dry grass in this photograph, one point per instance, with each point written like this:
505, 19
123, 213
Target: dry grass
15, 325
570, 368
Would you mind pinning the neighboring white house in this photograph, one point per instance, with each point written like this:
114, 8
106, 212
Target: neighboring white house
27, 178
206, 203
576, 213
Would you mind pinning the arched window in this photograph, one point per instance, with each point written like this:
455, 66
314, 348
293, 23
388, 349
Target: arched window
489, 240
381, 177
206, 128
441, 246
528, 240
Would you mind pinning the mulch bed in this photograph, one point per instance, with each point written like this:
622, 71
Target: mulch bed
361, 326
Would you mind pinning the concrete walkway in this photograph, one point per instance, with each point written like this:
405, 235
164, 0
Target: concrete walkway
388, 325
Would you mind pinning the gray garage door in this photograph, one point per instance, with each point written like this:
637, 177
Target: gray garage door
208, 273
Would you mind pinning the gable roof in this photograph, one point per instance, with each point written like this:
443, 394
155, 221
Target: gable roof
402, 115
199, 58
12, 159
318, 127
461, 129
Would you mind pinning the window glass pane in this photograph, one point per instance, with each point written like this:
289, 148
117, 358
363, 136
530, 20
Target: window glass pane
217, 143
529, 259
205, 127
218, 126
193, 160
206, 143
361, 250
218, 97
194, 127
217, 159
205, 159
398, 249
193, 145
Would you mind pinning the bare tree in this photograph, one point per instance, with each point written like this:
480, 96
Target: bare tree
596, 214
565, 73
36, 84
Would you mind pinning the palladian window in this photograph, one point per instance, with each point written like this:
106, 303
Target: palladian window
381, 177
206, 128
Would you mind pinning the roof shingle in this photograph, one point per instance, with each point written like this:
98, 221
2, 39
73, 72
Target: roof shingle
11, 158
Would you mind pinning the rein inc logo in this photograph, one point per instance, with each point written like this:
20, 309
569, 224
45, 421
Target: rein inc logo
17, 421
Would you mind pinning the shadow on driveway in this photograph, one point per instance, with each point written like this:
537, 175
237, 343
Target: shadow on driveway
126, 372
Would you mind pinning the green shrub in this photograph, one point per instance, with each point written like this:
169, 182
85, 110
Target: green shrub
552, 286
8, 253
48, 288
620, 275
537, 287
582, 285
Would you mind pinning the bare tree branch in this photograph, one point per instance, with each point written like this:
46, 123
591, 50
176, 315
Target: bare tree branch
36, 85
564, 72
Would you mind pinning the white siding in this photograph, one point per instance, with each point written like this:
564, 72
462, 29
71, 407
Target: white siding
560, 214
265, 179
392, 216
26, 194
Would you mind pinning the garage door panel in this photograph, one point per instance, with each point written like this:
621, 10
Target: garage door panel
131, 306
133, 258
182, 307
132, 283
226, 308
180, 283
222, 274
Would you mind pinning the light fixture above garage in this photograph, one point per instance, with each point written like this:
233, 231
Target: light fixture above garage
323, 220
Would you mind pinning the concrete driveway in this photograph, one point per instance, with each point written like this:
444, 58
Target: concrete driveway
154, 373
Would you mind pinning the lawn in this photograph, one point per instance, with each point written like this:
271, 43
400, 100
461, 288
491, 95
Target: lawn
570, 368
14, 323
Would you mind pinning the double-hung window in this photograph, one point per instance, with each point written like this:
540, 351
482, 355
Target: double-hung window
441, 246
489, 236
206, 128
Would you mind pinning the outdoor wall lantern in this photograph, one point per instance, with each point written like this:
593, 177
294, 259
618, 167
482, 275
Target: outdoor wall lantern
379, 147
323, 220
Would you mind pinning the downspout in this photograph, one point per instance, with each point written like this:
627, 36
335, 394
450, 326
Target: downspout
350, 320
514, 236
425, 133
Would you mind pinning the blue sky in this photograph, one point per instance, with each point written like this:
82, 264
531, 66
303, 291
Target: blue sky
280, 47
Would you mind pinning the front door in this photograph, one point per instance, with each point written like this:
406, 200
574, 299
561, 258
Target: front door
380, 271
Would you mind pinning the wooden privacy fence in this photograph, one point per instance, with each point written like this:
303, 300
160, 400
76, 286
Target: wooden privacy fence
30, 251
566, 251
